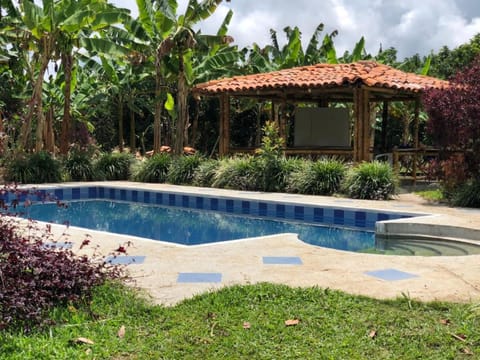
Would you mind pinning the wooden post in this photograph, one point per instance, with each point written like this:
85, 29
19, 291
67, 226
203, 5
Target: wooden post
361, 143
416, 143
224, 143
275, 114
283, 123
384, 126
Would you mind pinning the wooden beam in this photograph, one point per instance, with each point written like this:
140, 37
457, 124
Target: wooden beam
361, 141
283, 122
384, 126
224, 143
415, 140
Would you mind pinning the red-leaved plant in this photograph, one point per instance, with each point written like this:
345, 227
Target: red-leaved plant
454, 125
35, 277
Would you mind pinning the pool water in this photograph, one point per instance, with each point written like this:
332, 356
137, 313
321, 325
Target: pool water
190, 227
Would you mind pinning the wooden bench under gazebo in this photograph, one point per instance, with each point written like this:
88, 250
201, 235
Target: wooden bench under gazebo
362, 83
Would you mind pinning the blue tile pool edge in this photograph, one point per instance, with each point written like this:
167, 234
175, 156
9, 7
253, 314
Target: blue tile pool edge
328, 215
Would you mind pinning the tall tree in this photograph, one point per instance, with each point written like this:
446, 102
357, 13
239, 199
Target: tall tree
77, 21
155, 21
51, 30
175, 40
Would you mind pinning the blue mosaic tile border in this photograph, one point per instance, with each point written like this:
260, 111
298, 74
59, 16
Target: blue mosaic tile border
344, 217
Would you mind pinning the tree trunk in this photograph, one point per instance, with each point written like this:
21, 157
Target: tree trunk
34, 106
132, 132
182, 94
2, 134
120, 123
157, 120
40, 132
67, 62
195, 124
49, 134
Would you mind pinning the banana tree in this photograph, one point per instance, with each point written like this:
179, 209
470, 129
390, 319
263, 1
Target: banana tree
175, 43
181, 45
78, 21
126, 85
54, 30
275, 57
155, 21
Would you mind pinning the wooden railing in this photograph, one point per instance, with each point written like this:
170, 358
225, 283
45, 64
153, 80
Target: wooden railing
411, 162
346, 153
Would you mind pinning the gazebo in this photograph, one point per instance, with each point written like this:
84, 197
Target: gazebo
360, 83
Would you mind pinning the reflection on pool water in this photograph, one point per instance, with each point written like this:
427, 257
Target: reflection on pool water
191, 227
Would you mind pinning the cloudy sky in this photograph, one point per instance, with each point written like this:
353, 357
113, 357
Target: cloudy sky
411, 26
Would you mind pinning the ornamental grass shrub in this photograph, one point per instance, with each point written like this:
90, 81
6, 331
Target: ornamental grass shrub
36, 168
154, 169
467, 194
78, 166
323, 177
370, 180
114, 166
238, 173
204, 174
182, 169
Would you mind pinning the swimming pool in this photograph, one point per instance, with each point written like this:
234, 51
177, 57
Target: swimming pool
356, 225
191, 227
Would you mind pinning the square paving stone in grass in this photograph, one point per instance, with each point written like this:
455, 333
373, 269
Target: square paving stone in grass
282, 260
125, 260
199, 277
391, 274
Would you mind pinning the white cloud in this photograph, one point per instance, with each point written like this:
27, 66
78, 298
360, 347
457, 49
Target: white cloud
410, 26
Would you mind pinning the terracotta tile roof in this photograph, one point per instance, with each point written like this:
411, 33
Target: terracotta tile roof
367, 73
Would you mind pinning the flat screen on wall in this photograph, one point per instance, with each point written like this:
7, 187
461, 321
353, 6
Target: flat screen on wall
322, 127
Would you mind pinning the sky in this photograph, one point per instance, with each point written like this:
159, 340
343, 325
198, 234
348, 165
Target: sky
410, 26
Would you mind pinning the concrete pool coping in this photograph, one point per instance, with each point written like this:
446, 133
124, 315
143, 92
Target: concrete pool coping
166, 268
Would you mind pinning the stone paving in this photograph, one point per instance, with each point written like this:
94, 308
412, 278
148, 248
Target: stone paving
169, 272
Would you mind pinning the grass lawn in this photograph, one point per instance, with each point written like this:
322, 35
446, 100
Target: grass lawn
248, 322
435, 195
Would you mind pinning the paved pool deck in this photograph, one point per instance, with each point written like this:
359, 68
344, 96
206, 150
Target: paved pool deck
170, 273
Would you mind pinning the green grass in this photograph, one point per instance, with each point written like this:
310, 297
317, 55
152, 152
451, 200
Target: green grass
332, 325
431, 195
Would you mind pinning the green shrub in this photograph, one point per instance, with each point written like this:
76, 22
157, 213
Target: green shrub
78, 166
36, 168
154, 169
183, 168
205, 173
237, 173
269, 174
18, 170
322, 177
288, 167
113, 166
375, 181
269, 162
467, 195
